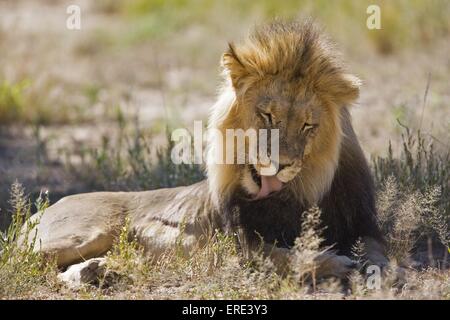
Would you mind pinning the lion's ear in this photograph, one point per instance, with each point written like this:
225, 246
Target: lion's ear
233, 64
346, 89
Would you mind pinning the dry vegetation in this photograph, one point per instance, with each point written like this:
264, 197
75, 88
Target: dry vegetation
407, 216
90, 110
217, 271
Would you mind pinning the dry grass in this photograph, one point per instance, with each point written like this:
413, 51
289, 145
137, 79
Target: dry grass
23, 271
218, 271
405, 217
131, 161
414, 196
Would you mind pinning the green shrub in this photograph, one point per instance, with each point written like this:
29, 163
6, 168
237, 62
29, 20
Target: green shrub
12, 105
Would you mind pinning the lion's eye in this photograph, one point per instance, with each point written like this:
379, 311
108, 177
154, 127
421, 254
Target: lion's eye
267, 117
308, 127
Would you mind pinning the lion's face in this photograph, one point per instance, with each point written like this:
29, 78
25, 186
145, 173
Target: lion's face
302, 121
285, 77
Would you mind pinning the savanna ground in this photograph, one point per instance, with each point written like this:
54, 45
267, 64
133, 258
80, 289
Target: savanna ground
90, 109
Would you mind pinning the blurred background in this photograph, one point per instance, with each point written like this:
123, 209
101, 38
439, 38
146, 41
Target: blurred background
90, 109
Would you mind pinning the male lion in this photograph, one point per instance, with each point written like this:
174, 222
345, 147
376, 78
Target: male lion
284, 76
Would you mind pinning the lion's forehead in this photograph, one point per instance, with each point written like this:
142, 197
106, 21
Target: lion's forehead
282, 93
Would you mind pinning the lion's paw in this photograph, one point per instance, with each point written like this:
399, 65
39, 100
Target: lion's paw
332, 265
87, 272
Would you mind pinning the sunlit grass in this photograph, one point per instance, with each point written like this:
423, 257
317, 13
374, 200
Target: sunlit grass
23, 269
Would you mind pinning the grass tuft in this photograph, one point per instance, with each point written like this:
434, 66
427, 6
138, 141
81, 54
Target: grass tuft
414, 194
22, 269
130, 162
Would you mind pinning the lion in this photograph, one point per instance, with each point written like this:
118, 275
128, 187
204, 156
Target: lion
285, 76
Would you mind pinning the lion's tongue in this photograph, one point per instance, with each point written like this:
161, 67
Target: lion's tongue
269, 184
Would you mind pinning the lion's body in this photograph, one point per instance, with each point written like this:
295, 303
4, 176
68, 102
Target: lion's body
84, 226
285, 77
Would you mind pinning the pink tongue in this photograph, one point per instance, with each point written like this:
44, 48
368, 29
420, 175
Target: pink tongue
269, 184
